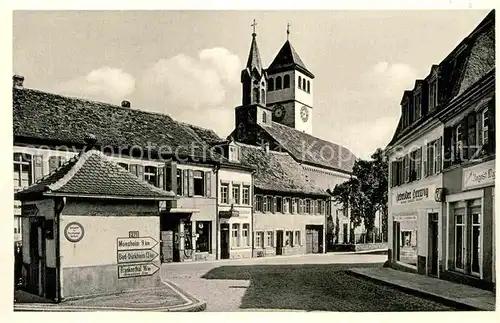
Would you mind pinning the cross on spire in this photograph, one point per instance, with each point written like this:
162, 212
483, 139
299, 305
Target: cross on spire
253, 25
287, 31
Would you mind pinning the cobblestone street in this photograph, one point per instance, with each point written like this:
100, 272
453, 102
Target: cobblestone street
303, 283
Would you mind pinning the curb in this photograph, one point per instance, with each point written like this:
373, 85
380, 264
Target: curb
421, 293
192, 305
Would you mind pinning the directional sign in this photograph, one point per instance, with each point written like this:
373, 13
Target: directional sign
136, 243
137, 270
128, 256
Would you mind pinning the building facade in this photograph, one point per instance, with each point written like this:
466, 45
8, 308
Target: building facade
49, 129
442, 167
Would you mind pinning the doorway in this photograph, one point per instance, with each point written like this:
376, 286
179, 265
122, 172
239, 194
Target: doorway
314, 238
433, 244
345, 233
224, 240
37, 255
279, 242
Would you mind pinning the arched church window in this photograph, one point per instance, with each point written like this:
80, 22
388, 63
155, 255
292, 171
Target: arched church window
256, 95
304, 84
270, 85
286, 81
264, 117
308, 87
300, 82
278, 83
263, 96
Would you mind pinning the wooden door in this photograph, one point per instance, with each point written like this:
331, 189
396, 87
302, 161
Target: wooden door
433, 243
315, 241
309, 241
279, 242
224, 241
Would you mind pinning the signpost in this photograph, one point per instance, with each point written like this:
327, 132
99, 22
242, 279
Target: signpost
137, 270
135, 255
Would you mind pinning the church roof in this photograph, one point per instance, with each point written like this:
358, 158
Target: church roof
254, 61
93, 174
311, 150
288, 58
48, 117
277, 171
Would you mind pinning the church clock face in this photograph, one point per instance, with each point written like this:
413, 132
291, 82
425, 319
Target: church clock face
304, 113
279, 112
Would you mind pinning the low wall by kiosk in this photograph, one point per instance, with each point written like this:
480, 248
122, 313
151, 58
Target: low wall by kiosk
108, 254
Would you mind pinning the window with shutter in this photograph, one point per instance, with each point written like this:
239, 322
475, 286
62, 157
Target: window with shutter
190, 182
406, 162
471, 134
133, 169
447, 147
439, 153
38, 167
274, 205
208, 184
185, 182
491, 126
160, 179
464, 131
140, 172
53, 163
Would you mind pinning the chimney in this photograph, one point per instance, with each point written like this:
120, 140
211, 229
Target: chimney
125, 104
18, 81
90, 140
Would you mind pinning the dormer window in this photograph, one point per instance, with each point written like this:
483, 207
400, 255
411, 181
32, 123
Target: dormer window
433, 97
418, 105
234, 154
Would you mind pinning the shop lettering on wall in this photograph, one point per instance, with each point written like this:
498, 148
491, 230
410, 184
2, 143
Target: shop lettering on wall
480, 175
139, 251
413, 195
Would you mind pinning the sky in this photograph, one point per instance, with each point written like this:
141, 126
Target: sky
187, 64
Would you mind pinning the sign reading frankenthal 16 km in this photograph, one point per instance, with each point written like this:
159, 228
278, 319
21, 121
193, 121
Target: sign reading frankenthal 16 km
139, 251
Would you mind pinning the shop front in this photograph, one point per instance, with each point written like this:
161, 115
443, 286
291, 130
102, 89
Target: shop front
470, 225
414, 216
235, 232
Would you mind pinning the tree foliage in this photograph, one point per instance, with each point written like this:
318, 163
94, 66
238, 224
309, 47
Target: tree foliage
365, 192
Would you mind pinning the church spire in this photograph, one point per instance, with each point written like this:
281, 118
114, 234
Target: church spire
254, 61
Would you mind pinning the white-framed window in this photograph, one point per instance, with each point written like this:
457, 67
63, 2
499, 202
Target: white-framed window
270, 239
179, 182
235, 235
460, 241
484, 126
246, 195
150, 174
268, 200
259, 239
286, 205
476, 243
294, 205
234, 153
289, 239
301, 206
458, 141
245, 233
224, 190
298, 241
279, 204
236, 194
259, 203
22, 170
199, 183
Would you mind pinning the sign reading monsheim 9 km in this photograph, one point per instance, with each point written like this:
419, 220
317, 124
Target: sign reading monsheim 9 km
136, 253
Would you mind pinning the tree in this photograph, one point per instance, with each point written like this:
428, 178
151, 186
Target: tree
365, 192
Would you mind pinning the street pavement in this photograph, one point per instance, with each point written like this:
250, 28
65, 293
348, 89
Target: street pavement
296, 283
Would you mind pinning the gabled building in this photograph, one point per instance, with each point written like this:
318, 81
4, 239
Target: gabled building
442, 162
50, 129
275, 123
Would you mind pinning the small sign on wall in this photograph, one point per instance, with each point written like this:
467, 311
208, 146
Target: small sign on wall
74, 232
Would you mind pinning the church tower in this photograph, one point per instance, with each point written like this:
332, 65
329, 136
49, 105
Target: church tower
290, 89
253, 110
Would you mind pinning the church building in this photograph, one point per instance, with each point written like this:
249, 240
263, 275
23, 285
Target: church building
295, 170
